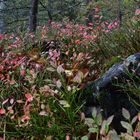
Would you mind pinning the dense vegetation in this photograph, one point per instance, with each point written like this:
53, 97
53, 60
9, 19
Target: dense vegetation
41, 74
15, 14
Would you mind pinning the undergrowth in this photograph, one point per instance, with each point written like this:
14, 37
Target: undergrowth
38, 92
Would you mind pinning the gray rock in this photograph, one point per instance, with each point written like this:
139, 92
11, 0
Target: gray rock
107, 93
118, 71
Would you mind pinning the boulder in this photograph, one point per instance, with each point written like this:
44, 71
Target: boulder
108, 92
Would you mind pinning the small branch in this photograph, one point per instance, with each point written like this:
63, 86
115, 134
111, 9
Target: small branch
49, 13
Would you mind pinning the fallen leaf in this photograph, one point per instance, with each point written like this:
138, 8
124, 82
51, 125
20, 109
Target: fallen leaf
139, 116
29, 97
58, 83
60, 69
79, 77
43, 113
25, 118
5, 101
2, 111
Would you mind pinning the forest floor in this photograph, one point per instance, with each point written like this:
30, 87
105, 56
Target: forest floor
41, 74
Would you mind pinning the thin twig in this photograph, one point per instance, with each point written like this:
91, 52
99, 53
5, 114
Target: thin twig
4, 130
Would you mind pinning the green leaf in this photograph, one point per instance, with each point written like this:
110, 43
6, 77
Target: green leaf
134, 120
99, 119
64, 103
109, 120
112, 134
105, 125
89, 122
126, 2
93, 130
127, 126
94, 112
104, 128
127, 136
84, 138
125, 114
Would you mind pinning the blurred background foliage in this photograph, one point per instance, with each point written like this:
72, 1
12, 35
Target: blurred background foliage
14, 14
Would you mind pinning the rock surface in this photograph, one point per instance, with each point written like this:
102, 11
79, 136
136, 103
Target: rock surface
107, 91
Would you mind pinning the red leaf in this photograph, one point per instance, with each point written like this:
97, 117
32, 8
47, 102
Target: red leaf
2, 111
67, 137
25, 118
22, 72
136, 134
29, 97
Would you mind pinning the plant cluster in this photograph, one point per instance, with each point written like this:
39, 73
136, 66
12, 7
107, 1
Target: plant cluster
38, 93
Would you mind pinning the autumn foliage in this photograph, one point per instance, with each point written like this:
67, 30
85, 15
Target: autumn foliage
38, 86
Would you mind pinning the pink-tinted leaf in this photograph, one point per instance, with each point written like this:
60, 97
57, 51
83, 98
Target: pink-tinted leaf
67, 137
78, 78
136, 134
25, 118
29, 97
12, 82
77, 41
1, 67
10, 110
22, 72
1, 138
2, 111
137, 12
104, 128
1, 36
5, 101
43, 113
